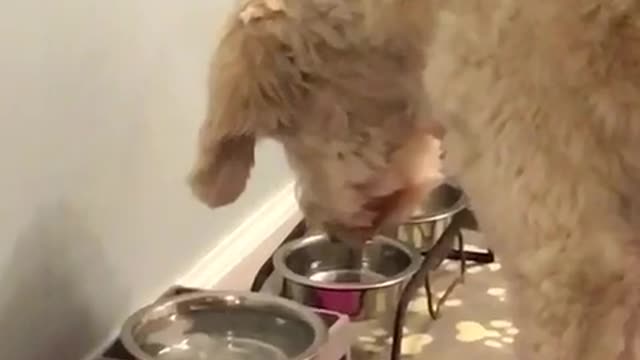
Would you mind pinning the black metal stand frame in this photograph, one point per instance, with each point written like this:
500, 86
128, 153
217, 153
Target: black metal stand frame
433, 258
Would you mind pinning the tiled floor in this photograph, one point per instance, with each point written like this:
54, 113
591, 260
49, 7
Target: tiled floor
475, 321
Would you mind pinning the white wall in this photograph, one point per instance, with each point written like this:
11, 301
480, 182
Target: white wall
100, 102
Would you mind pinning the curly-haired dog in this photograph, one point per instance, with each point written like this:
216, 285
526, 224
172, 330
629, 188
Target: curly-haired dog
541, 102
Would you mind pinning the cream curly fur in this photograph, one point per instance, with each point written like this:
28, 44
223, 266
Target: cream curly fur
338, 83
541, 101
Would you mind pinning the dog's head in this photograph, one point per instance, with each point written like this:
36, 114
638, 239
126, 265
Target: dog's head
257, 85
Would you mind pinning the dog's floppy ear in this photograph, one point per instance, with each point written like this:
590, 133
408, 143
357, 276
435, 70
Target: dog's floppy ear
251, 93
222, 170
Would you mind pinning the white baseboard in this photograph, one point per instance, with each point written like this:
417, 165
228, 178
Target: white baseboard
233, 263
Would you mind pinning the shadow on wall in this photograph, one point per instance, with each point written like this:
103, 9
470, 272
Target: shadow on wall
51, 306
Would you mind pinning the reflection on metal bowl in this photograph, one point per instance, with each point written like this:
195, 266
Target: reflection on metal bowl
363, 283
429, 222
224, 325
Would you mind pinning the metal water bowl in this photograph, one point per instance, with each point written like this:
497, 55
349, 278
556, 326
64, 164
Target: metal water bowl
427, 223
362, 283
226, 326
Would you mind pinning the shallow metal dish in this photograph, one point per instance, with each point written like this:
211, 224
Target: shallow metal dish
428, 222
362, 283
242, 326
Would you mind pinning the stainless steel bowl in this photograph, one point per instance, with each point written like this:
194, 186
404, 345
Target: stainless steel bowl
224, 326
429, 222
362, 283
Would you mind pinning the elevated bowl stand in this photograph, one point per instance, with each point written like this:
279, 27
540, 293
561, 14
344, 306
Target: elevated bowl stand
443, 248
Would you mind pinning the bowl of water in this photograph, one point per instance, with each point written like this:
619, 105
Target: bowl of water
209, 325
363, 283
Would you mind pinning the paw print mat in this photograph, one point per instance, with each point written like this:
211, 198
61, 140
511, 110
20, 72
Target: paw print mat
475, 322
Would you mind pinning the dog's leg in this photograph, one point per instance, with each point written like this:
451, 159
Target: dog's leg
578, 322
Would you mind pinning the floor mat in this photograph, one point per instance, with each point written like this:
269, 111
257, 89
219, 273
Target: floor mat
475, 321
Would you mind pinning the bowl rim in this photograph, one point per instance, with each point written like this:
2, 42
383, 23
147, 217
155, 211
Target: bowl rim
460, 204
281, 254
320, 329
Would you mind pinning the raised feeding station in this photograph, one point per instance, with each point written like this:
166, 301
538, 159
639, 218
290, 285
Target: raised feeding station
203, 325
433, 230
425, 229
